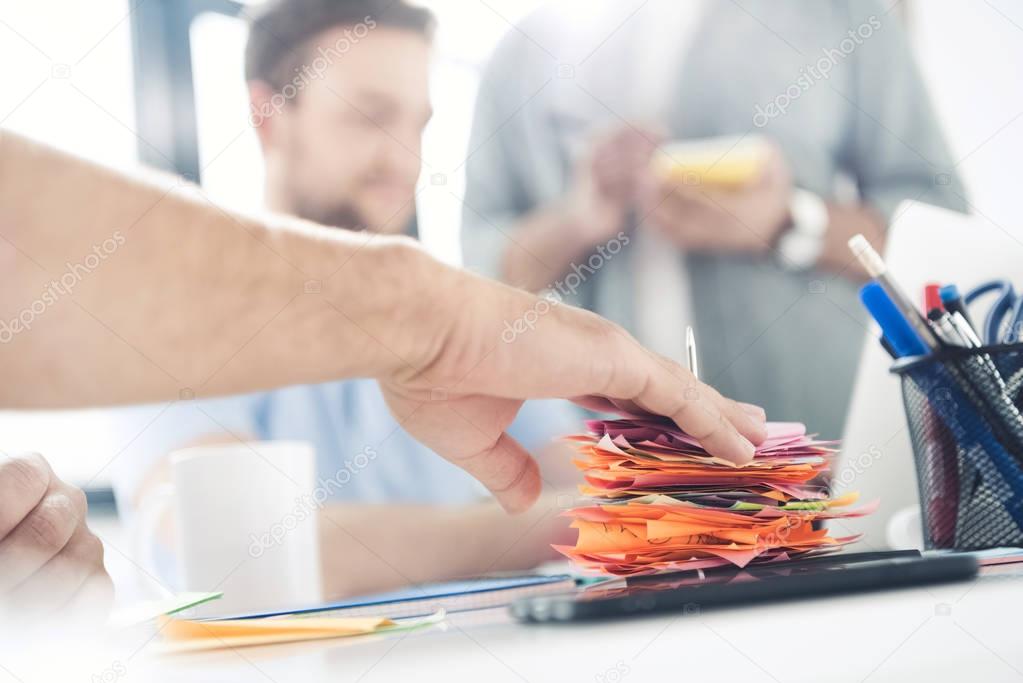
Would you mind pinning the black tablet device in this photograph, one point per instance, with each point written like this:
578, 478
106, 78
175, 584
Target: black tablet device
698, 591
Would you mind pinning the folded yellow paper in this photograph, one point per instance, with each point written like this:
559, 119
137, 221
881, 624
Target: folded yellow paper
182, 635
183, 629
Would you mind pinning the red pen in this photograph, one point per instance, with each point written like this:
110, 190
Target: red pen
932, 297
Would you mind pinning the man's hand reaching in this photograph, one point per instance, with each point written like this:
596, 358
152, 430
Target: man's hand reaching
456, 354
485, 347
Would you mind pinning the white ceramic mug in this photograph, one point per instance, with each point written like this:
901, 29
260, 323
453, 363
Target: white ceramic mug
246, 524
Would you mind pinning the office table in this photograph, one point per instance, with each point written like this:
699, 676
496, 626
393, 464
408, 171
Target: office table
957, 632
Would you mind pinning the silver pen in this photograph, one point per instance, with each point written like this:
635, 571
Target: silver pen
694, 366
945, 330
877, 269
964, 329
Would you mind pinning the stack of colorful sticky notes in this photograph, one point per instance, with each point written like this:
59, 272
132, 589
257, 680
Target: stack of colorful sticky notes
663, 503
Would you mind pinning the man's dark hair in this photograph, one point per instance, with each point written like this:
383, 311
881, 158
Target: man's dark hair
281, 31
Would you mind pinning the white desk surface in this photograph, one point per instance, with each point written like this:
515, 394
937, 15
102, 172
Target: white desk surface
956, 632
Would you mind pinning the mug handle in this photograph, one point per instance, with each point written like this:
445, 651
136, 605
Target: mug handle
143, 533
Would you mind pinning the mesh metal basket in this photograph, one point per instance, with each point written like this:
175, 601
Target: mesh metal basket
963, 408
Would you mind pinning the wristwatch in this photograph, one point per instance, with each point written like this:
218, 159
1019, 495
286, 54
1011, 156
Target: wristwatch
801, 245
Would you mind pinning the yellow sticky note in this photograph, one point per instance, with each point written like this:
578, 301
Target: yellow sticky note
723, 162
181, 635
183, 629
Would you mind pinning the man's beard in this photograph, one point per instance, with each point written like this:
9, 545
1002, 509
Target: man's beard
343, 215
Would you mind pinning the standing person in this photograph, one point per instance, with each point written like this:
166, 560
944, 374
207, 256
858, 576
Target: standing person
570, 114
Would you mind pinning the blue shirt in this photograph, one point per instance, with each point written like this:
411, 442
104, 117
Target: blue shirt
359, 446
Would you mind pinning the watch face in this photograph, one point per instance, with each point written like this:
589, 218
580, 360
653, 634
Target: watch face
798, 251
809, 214
801, 246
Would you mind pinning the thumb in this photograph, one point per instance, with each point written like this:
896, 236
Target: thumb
508, 470
469, 432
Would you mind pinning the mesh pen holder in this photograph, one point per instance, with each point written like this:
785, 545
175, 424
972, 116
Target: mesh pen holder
963, 408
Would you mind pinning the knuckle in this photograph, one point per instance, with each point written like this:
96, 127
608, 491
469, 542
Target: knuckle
511, 476
28, 472
79, 503
83, 555
92, 549
699, 429
710, 423
48, 525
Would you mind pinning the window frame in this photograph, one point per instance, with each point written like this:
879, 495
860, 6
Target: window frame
165, 110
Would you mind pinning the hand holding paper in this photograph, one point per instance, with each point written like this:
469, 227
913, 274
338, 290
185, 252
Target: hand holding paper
721, 195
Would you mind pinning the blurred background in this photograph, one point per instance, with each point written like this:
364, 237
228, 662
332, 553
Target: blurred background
160, 82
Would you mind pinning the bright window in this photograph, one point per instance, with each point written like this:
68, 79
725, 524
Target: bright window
232, 169
68, 82
68, 77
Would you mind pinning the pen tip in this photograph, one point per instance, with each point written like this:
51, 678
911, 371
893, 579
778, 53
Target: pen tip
858, 243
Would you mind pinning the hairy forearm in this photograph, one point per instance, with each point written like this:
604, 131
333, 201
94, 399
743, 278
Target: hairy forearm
367, 548
844, 221
118, 289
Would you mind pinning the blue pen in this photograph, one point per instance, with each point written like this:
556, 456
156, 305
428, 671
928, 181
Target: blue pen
896, 329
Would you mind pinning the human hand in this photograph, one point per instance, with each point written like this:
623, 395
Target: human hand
469, 360
52, 564
605, 183
706, 218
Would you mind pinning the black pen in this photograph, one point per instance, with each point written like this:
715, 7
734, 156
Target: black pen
944, 330
953, 303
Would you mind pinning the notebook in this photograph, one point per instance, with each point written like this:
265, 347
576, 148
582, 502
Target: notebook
426, 599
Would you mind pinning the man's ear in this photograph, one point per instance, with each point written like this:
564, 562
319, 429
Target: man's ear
262, 112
